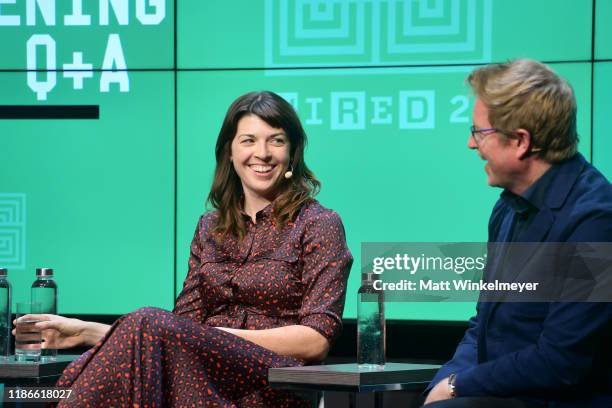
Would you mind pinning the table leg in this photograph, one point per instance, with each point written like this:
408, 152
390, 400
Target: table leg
378, 399
352, 399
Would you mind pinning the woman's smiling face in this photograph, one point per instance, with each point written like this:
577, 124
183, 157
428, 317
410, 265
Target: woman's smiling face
260, 156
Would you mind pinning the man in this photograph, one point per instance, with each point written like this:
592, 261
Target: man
514, 354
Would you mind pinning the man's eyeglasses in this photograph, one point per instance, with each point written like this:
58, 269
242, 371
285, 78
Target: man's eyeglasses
479, 134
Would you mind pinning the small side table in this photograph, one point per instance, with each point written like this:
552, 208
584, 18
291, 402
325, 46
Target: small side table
27, 374
350, 378
22, 373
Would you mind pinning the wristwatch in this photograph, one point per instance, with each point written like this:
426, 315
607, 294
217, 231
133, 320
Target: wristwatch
451, 385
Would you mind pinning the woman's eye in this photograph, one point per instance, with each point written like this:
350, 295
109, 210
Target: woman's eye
278, 141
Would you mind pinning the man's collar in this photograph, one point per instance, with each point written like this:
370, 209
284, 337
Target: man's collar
550, 190
534, 197
519, 204
564, 181
536, 193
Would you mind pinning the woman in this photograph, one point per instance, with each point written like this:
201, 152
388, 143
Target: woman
265, 288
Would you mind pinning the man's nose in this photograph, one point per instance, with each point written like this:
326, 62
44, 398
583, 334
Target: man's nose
471, 143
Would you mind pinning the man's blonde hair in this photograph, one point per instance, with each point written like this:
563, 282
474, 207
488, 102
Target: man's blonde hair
527, 94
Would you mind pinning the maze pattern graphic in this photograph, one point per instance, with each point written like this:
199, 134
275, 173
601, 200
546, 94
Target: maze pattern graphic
306, 33
12, 230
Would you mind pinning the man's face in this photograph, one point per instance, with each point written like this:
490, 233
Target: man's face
498, 151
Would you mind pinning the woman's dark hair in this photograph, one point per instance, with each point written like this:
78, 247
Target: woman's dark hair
226, 193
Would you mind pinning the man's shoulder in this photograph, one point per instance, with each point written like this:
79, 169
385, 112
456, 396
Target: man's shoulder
586, 213
592, 188
592, 182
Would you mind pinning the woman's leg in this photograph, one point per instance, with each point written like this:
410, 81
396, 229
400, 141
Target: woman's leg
154, 358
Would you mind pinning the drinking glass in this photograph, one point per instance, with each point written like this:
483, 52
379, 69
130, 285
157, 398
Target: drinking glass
28, 339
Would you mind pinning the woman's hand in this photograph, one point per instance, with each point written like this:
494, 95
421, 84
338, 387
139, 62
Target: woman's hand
60, 332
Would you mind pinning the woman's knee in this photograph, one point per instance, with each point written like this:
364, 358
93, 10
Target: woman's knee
152, 318
148, 311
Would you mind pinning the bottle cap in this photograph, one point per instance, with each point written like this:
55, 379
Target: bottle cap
367, 277
3, 271
44, 272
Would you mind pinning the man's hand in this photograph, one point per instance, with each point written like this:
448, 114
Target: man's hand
439, 393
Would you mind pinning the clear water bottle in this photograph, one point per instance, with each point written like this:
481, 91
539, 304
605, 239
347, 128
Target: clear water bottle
44, 291
371, 335
5, 315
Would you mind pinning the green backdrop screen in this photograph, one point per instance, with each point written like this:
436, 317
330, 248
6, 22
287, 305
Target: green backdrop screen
112, 203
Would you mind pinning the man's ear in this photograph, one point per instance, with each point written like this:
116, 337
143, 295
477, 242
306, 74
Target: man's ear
523, 142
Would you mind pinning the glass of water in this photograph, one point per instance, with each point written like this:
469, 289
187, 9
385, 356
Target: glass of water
28, 339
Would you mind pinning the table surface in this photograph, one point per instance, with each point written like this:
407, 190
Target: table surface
14, 370
350, 377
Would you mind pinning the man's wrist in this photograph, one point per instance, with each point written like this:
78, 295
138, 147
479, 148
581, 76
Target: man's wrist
452, 391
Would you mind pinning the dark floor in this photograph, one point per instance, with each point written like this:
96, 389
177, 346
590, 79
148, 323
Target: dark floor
391, 399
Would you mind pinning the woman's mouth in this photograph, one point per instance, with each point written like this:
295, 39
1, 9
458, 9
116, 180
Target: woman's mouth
262, 169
